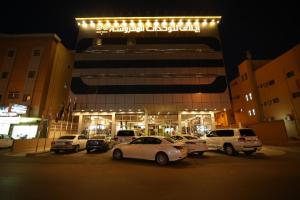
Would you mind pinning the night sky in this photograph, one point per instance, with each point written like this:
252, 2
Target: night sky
266, 29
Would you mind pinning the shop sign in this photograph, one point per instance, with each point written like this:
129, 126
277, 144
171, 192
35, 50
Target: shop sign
19, 109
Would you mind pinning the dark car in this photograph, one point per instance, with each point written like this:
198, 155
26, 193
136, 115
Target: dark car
98, 143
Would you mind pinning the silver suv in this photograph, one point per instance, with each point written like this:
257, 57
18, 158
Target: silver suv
124, 136
233, 141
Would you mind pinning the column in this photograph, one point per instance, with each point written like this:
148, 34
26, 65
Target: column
113, 124
80, 123
179, 131
213, 124
146, 123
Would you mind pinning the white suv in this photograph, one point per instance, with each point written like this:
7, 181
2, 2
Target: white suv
125, 136
233, 140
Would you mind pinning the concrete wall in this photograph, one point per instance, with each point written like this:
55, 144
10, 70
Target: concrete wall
271, 133
31, 145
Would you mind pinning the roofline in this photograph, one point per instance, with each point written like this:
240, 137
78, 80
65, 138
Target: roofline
56, 37
148, 18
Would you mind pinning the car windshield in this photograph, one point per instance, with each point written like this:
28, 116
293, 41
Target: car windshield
190, 137
69, 137
125, 133
170, 140
247, 132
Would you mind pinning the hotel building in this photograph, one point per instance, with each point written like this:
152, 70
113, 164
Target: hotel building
154, 75
268, 90
35, 75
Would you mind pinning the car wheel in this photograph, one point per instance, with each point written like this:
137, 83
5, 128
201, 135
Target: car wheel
76, 148
248, 153
56, 151
117, 154
229, 150
88, 151
199, 153
161, 159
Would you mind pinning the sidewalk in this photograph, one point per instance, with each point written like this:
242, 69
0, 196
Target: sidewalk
29, 153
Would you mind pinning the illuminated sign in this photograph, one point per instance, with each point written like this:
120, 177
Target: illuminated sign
10, 120
148, 24
19, 109
4, 112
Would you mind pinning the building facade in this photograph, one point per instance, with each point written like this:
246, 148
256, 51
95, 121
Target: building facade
154, 75
269, 90
35, 77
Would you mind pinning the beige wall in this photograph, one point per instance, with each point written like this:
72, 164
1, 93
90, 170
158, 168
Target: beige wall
271, 133
31, 145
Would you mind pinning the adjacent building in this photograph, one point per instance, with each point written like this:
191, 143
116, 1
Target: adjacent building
35, 74
155, 75
268, 90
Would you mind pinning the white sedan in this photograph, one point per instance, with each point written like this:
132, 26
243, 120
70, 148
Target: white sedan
5, 141
193, 144
160, 149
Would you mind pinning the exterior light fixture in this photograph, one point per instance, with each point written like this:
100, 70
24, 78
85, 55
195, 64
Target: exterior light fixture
204, 23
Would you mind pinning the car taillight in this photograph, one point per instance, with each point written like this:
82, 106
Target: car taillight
242, 139
190, 142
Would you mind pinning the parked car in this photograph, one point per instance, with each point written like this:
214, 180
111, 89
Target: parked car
125, 136
69, 143
99, 142
160, 149
193, 144
5, 141
233, 141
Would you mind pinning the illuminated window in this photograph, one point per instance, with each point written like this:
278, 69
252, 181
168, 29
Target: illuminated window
26, 97
246, 97
13, 95
253, 112
249, 112
250, 96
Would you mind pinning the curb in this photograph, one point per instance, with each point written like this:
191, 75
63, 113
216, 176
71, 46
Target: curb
36, 153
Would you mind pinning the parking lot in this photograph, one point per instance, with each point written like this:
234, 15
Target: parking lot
273, 173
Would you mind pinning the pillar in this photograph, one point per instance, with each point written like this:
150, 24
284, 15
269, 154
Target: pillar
146, 123
179, 131
113, 125
213, 121
80, 123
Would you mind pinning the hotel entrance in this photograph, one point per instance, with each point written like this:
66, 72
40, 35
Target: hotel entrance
135, 121
163, 124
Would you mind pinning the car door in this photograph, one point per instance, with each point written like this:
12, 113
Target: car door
150, 148
7, 141
212, 140
134, 148
81, 140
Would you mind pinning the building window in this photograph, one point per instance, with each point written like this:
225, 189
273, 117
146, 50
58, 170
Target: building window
272, 82
36, 52
249, 113
10, 53
290, 74
246, 97
4, 75
26, 97
253, 112
296, 94
31, 74
250, 96
13, 95
276, 100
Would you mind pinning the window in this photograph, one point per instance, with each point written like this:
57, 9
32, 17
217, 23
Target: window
125, 133
247, 132
26, 97
225, 133
249, 113
138, 141
4, 75
290, 74
212, 134
276, 100
10, 53
250, 96
272, 82
152, 140
296, 94
13, 95
246, 97
36, 52
253, 112
31, 74
67, 137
